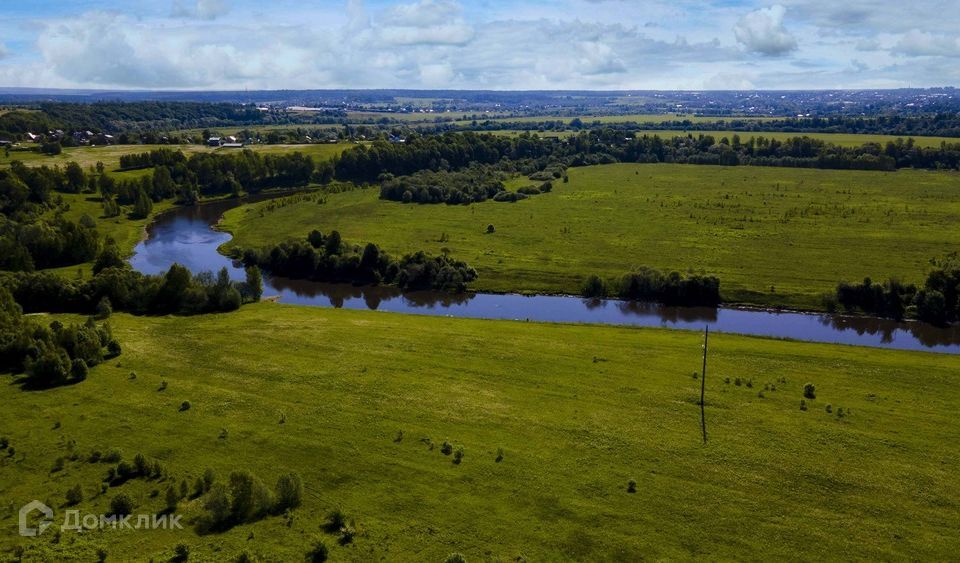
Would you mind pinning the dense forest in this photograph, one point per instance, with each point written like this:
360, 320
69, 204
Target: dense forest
328, 258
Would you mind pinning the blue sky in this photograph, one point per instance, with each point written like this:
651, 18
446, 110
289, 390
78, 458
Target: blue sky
489, 44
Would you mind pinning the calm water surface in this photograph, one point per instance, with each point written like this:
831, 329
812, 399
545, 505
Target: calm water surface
185, 235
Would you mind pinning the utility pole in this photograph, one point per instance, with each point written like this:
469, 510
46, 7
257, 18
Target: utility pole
703, 383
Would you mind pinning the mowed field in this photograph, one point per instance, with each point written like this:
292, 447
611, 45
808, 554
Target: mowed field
110, 155
614, 404
779, 236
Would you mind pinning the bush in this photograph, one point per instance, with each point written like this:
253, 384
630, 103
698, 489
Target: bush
803, 405
319, 553
336, 520
458, 455
121, 505
491, 229
113, 348
79, 369
141, 465
75, 495
58, 465
594, 286
181, 552
113, 456
446, 448
829, 408
185, 406
499, 457
104, 309
455, 558
810, 391
632, 486
289, 492
172, 498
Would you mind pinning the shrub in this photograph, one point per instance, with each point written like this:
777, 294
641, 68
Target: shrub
185, 406
104, 308
455, 558
163, 385
809, 391
289, 492
4, 442
319, 553
336, 520
75, 495
58, 465
181, 552
829, 408
446, 448
803, 405
499, 455
726, 380
113, 456
594, 287
209, 477
632, 486
141, 465
347, 533
78, 369
491, 229
113, 348
738, 382
121, 504
750, 384
172, 498
458, 455
839, 412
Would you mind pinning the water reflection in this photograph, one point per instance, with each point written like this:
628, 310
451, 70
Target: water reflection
185, 236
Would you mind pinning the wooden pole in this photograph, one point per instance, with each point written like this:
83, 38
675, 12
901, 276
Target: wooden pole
703, 384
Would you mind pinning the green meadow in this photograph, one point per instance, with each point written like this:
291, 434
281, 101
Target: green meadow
353, 400
774, 236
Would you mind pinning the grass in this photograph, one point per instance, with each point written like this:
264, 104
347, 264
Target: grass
578, 411
773, 235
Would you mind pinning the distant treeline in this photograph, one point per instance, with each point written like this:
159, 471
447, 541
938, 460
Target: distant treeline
937, 302
327, 258
115, 117
649, 284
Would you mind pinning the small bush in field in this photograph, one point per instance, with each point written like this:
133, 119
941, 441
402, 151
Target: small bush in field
809, 391
632, 486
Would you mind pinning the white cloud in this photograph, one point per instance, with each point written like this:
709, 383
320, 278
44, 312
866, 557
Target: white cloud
762, 31
918, 43
200, 9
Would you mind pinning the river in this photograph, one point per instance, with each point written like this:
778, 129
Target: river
185, 235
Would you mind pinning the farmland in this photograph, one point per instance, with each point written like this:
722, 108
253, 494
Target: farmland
352, 401
826, 226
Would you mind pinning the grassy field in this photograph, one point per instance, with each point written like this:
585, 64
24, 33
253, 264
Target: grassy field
615, 404
825, 226
110, 155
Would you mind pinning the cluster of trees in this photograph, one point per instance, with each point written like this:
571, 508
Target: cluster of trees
47, 242
175, 292
649, 284
936, 302
50, 355
327, 258
475, 183
245, 498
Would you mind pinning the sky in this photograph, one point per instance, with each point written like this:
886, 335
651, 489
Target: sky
481, 44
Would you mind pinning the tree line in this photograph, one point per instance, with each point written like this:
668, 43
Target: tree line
328, 258
937, 301
652, 285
